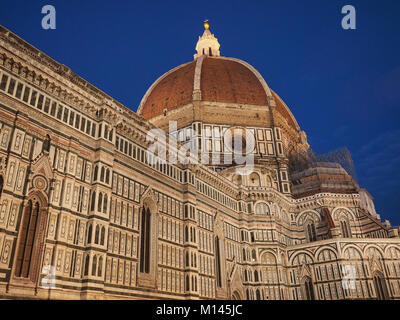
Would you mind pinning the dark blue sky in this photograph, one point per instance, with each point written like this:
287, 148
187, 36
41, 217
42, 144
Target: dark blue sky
343, 86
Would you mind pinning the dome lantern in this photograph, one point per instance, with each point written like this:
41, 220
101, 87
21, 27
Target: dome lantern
207, 45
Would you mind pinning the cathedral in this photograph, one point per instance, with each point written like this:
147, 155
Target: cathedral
86, 213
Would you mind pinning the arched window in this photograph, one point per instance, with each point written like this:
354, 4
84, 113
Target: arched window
258, 296
93, 201
145, 241
237, 179
254, 180
27, 239
102, 174
103, 233
186, 234
105, 203
247, 294
100, 202
99, 270
89, 234
187, 259
218, 262
245, 275
96, 234
94, 265
262, 208
244, 254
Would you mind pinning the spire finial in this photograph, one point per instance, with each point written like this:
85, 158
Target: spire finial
207, 45
206, 24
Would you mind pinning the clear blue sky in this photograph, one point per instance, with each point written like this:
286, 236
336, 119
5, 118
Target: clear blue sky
343, 86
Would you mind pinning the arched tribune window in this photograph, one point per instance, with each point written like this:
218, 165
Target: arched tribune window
262, 208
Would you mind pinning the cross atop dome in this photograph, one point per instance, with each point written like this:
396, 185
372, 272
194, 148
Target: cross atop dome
207, 45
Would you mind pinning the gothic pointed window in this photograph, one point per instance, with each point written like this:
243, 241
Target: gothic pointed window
105, 203
145, 241
86, 271
103, 233
28, 238
94, 265
99, 269
1, 185
187, 283
96, 235
218, 262
46, 144
108, 176
102, 172
100, 202
89, 234
96, 171
93, 201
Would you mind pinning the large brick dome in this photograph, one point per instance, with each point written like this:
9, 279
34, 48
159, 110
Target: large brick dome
214, 79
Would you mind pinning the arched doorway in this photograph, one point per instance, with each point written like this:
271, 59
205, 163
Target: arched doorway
380, 286
31, 237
